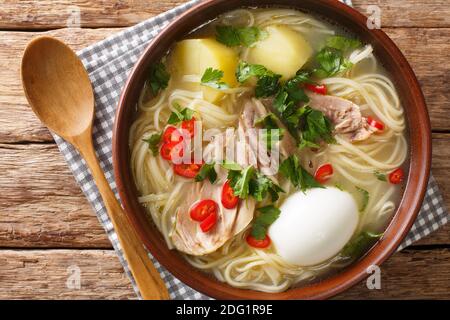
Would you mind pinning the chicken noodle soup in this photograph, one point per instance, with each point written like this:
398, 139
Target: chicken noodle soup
268, 148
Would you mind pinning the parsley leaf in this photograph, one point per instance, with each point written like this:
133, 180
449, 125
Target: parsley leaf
213, 78
153, 142
272, 133
268, 82
179, 115
240, 181
267, 86
207, 171
315, 127
299, 177
245, 70
331, 61
342, 43
236, 36
267, 216
231, 166
249, 182
380, 176
365, 198
260, 185
356, 247
158, 78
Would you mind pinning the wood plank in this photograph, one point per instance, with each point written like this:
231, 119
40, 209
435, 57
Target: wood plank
427, 49
43, 274
42, 206
47, 14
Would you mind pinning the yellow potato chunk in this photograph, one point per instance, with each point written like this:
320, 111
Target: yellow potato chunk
194, 56
284, 51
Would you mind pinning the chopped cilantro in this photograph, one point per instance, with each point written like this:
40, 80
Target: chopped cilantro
236, 36
267, 216
365, 198
299, 177
158, 78
153, 142
207, 171
213, 78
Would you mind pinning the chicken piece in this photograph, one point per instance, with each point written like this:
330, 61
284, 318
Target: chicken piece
187, 235
344, 114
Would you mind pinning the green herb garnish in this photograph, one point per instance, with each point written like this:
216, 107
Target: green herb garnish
236, 36
331, 62
272, 133
343, 43
207, 171
268, 83
380, 176
213, 78
179, 114
267, 216
365, 198
299, 177
356, 247
231, 166
249, 182
240, 181
158, 78
315, 128
153, 142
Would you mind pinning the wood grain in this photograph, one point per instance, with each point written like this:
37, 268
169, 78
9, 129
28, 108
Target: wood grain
47, 14
17, 123
42, 206
43, 274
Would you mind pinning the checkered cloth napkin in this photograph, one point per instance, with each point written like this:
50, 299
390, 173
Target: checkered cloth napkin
108, 64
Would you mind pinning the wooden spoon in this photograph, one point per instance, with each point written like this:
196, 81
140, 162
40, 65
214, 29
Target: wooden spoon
59, 91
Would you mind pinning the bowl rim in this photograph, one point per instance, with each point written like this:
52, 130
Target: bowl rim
401, 221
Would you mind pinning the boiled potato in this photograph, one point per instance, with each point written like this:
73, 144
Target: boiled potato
284, 51
194, 56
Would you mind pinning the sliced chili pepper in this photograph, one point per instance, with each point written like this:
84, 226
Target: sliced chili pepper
375, 123
317, 88
168, 149
323, 173
202, 209
171, 134
396, 176
261, 244
187, 170
229, 200
209, 222
189, 125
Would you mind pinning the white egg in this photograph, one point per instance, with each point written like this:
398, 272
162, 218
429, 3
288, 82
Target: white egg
314, 226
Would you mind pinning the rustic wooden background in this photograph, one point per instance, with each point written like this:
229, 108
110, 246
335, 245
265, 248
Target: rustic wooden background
46, 224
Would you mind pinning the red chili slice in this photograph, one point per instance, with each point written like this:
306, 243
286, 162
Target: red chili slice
261, 244
187, 170
189, 125
374, 123
171, 134
396, 176
317, 88
209, 222
167, 150
229, 200
323, 173
203, 209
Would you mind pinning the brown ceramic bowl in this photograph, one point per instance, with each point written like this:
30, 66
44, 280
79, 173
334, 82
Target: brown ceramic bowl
419, 138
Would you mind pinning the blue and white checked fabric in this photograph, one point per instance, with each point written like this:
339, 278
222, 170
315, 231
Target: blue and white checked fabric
108, 63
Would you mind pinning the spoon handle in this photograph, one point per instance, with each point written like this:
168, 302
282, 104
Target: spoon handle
144, 272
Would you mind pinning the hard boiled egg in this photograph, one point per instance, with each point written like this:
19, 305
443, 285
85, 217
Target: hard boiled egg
314, 226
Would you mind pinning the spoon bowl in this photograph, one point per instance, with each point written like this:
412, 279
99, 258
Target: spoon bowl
70, 91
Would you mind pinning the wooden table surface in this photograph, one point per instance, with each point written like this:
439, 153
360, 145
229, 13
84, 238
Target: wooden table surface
47, 228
